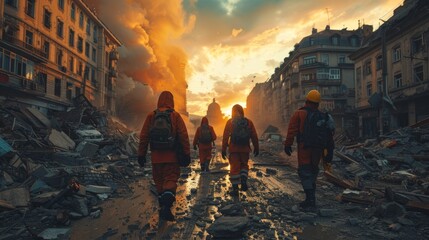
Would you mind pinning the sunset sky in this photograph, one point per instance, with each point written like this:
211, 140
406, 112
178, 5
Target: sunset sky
226, 45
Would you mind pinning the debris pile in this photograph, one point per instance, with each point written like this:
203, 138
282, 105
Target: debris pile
54, 170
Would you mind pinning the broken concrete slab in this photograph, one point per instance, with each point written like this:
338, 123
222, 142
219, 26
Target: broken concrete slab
87, 149
4, 147
40, 117
61, 140
55, 233
18, 197
228, 227
98, 189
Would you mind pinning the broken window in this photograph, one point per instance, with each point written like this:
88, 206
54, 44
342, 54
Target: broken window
418, 73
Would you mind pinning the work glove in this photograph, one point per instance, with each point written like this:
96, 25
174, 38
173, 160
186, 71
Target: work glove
255, 153
141, 160
195, 147
224, 155
288, 150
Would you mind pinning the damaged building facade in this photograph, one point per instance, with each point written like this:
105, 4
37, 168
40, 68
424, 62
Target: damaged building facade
54, 51
319, 61
393, 64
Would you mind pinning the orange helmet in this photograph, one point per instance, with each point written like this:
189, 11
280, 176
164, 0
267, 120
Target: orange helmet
313, 96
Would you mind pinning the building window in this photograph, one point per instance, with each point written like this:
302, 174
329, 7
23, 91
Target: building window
417, 44
29, 8
60, 28
354, 41
367, 67
335, 40
87, 49
57, 90
358, 81
379, 85
81, 18
80, 44
334, 73
309, 60
397, 80
88, 26
80, 69
69, 90
46, 48
311, 41
47, 18
93, 78
369, 89
94, 55
341, 59
94, 35
42, 80
379, 62
29, 38
107, 59
77, 91
73, 12
307, 76
396, 54
322, 73
71, 64
418, 73
325, 59
12, 3
59, 57
61, 4
71, 37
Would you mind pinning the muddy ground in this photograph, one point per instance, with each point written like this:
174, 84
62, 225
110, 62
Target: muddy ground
269, 209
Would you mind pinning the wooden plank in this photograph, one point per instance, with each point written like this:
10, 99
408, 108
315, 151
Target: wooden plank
367, 200
339, 182
419, 206
4, 204
345, 157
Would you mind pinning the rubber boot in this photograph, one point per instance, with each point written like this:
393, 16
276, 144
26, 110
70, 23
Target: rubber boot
206, 167
234, 191
310, 199
243, 183
167, 199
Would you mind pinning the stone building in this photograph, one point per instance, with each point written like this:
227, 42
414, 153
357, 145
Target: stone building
319, 61
54, 50
393, 65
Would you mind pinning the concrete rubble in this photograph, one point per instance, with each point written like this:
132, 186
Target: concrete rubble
54, 170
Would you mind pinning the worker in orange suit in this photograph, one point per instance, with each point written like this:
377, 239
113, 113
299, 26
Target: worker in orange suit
203, 139
309, 155
238, 133
165, 131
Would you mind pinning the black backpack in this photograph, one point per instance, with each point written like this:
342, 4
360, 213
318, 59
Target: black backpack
240, 131
205, 134
316, 129
161, 134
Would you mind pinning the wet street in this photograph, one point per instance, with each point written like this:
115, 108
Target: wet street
268, 210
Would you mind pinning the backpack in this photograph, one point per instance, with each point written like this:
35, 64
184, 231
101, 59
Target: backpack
160, 133
316, 129
205, 134
240, 131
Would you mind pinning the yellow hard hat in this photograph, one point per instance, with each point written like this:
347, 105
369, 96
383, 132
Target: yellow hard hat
313, 96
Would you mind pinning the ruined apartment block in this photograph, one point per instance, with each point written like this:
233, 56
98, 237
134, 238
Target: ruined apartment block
400, 72
53, 51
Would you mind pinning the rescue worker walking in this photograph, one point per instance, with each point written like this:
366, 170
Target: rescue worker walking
204, 137
311, 128
165, 131
236, 136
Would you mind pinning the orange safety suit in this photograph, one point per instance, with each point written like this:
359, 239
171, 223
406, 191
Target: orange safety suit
204, 149
238, 154
165, 166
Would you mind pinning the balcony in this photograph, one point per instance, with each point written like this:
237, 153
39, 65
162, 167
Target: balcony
327, 82
313, 65
114, 55
113, 73
25, 49
31, 86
